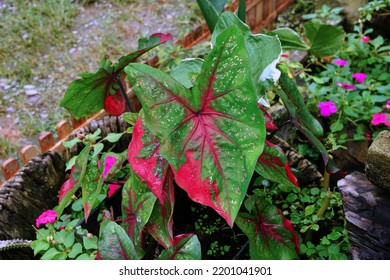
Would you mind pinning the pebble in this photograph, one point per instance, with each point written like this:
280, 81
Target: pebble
31, 92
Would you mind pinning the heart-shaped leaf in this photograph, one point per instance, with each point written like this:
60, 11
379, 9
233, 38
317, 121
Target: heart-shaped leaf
92, 88
271, 235
273, 165
161, 221
187, 71
289, 39
185, 247
324, 39
211, 135
145, 159
137, 205
114, 243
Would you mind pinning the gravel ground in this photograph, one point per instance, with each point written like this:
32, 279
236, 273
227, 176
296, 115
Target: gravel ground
101, 27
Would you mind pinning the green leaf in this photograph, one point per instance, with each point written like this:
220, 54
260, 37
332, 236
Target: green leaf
84, 257
85, 96
50, 254
71, 143
40, 246
76, 250
201, 130
302, 119
187, 71
310, 210
241, 11
69, 239
297, 108
211, 10
97, 149
334, 235
336, 126
113, 137
89, 243
324, 39
130, 118
185, 247
289, 39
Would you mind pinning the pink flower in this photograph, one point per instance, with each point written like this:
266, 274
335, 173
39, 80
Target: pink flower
379, 118
365, 39
387, 106
46, 217
327, 108
346, 86
112, 189
359, 77
110, 161
340, 62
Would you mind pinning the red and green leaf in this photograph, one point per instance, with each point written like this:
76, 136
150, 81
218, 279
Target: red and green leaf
185, 247
273, 165
95, 178
161, 221
86, 96
114, 243
147, 163
145, 159
269, 122
137, 206
212, 134
77, 177
271, 236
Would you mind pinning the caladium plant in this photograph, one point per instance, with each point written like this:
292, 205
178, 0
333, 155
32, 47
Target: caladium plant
200, 129
212, 134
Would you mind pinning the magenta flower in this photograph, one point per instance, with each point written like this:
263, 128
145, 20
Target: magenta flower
327, 108
379, 118
359, 77
46, 217
340, 62
346, 86
387, 106
365, 39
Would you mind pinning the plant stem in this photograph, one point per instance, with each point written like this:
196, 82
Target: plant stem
123, 91
324, 206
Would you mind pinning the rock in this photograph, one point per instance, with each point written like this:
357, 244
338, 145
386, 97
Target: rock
367, 211
378, 161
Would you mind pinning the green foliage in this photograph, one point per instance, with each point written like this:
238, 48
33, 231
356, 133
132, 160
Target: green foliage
323, 40
374, 8
65, 239
321, 237
325, 15
369, 58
